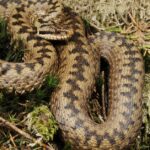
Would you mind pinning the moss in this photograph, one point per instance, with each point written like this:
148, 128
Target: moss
41, 122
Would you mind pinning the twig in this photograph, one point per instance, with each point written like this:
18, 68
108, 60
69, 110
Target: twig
96, 27
134, 22
24, 134
103, 97
12, 140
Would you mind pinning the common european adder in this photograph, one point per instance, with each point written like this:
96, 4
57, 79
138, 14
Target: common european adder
37, 22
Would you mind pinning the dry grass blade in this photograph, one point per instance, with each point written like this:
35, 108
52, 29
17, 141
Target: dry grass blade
22, 133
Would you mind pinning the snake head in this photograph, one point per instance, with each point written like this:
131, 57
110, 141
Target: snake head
47, 17
51, 26
52, 31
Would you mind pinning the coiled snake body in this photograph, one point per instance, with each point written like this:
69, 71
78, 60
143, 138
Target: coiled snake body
79, 62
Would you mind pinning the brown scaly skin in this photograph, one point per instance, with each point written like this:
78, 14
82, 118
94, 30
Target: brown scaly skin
40, 59
77, 71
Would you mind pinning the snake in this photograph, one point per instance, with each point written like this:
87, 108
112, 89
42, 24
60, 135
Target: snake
40, 57
77, 55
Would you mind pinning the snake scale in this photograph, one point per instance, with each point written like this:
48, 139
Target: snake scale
37, 22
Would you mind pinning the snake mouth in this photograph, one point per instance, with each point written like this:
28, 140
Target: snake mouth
55, 34
53, 31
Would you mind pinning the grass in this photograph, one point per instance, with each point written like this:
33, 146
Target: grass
130, 17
